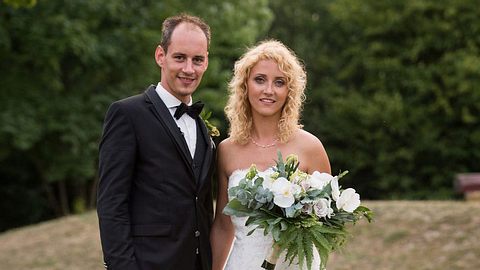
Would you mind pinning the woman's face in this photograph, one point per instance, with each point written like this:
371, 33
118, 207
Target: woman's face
267, 88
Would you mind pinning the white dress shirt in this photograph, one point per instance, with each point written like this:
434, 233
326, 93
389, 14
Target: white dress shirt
187, 124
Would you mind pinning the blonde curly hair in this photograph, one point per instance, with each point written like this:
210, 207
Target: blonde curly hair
238, 110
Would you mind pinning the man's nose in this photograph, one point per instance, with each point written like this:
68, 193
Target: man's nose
188, 67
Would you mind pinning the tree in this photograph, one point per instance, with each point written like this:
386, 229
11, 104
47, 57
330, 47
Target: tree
63, 63
393, 89
20, 3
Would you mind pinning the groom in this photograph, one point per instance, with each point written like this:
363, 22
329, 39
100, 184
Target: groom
155, 164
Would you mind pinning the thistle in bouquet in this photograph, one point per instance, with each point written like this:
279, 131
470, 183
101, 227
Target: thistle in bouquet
300, 211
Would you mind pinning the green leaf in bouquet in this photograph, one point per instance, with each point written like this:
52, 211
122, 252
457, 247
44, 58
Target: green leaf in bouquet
263, 195
274, 221
342, 174
276, 233
291, 165
323, 248
236, 208
243, 197
280, 166
366, 212
290, 212
326, 191
283, 225
300, 250
313, 193
308, 247
322, 241
250, 221
258, 182
324, 229
250, 232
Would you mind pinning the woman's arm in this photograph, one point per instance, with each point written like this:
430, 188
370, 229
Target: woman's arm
221, 236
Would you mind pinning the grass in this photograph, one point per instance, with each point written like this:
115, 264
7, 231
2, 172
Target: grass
413, 235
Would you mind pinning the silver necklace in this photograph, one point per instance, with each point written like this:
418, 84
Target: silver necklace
264, 145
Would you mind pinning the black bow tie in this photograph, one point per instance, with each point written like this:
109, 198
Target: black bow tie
194, 110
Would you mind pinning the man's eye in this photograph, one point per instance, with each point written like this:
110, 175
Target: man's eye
198, 61
178, 57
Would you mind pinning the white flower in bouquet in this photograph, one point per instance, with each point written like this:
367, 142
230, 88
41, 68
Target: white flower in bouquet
335, 189
284, 192
268, 178
323, 208
349, 200
320, 180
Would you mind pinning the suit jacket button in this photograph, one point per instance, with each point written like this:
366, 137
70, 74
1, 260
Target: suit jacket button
197, 233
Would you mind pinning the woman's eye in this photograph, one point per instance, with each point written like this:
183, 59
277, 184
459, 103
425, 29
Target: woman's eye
259, 80
279, 83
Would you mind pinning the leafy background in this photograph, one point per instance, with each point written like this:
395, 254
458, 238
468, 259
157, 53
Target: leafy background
393, 90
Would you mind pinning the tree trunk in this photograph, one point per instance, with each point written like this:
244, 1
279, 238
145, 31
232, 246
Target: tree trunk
63, 195
52, 201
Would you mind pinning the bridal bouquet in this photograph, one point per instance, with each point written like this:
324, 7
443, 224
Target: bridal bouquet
300, 211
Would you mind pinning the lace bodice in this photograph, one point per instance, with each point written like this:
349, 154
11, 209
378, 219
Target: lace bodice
248, 252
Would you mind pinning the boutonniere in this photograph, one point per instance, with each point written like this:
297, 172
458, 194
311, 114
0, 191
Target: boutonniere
212, 130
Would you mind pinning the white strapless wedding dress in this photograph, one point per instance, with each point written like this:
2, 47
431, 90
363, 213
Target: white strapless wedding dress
248, 252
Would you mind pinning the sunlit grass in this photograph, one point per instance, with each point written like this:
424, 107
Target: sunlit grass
413, 235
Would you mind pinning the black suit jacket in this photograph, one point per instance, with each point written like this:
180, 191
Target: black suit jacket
154, 213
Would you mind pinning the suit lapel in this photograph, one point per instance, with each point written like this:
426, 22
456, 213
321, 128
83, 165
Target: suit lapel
208, 152
161, 111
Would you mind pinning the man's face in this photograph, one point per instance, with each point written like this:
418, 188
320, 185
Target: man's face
184, 62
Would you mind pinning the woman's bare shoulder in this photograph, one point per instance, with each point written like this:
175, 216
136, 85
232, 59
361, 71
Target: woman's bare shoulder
226, 150
227, 145
307, 139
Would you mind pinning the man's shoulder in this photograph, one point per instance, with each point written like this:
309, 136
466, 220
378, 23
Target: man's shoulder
129, 104
131, 99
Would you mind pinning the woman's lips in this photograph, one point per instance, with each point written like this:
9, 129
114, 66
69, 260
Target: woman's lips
267, 100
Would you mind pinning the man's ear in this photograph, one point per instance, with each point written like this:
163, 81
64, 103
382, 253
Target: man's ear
159, 55
206, 62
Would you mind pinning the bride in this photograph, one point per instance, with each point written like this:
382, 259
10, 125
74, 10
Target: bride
266, 96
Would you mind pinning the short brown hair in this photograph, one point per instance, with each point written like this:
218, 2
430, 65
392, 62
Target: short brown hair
171, 23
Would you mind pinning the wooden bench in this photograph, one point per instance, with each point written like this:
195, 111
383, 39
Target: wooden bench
469, 185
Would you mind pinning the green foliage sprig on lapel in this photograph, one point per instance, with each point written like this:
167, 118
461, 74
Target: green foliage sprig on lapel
212, 129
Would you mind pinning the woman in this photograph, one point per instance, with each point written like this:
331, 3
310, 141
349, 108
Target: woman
266, 96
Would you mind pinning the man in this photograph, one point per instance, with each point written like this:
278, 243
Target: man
154, 195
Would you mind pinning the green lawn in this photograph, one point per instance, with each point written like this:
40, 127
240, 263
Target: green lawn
413, 235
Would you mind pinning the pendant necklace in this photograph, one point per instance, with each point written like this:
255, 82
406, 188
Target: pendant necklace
264, 145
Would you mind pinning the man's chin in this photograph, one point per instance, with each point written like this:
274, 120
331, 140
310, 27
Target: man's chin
187, 90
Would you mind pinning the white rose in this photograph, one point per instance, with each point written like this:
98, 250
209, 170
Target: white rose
283, 192
320, 180
322, 208
349, 200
